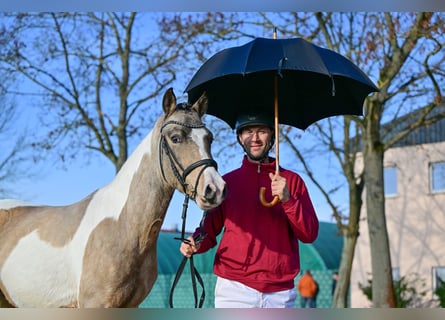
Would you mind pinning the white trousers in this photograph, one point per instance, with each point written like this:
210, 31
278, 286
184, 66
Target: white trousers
233, 294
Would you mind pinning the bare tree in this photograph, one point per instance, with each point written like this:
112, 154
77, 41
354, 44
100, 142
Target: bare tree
422, 42
13, 150
400, 51
403, 51
86, 57
95, 76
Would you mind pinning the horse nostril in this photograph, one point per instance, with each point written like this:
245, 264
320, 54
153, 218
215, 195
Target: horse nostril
210, 194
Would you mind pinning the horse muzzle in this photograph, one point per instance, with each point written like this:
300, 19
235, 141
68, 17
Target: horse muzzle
213, 190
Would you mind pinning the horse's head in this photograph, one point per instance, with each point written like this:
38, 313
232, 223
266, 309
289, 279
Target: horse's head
186, 160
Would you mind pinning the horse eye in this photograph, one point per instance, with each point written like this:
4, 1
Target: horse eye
176, 138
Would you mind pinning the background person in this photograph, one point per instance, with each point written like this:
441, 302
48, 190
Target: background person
257, 259
308, 288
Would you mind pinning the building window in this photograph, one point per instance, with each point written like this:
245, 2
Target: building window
438, 277
395, 274
390, 181
437, 174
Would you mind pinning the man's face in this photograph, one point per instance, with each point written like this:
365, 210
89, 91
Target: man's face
256, 141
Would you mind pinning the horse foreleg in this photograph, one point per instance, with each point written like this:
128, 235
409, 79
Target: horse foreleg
4, 303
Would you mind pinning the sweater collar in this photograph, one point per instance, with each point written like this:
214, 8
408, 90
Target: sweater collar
259, 166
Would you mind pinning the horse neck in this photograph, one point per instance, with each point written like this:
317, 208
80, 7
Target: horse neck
145, 195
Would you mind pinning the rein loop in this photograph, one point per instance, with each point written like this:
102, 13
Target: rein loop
194, 274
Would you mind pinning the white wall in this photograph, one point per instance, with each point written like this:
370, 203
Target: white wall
415, 220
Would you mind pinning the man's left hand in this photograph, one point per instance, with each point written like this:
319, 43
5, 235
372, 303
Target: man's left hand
279, 187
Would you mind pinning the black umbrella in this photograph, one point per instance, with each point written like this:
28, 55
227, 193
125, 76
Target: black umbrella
308, 83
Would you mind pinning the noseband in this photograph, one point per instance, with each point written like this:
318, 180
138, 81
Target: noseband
175, 164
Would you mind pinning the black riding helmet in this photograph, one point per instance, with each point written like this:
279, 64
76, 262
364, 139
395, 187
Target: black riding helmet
247, 120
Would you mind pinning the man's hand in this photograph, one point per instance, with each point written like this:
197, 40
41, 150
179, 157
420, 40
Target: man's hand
279, 187
189, 248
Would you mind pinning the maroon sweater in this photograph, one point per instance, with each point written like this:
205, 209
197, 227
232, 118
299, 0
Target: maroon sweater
259, 246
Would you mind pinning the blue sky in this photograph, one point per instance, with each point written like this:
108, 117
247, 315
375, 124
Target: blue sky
58, 187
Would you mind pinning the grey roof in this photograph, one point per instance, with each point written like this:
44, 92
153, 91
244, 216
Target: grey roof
430, 133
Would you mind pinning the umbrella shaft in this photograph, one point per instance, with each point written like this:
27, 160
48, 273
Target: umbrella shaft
277, 144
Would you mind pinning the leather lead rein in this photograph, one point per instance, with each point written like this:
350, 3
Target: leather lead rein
193, 271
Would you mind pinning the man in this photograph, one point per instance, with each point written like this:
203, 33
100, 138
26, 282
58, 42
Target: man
308, 288
258, 258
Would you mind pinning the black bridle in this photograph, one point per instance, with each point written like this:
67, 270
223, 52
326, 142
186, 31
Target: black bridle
175, 164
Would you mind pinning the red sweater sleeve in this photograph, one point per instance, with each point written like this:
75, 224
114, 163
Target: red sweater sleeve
213, 225
300, 210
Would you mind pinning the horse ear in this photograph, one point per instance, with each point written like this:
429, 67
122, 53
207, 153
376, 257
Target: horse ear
202, 104
169, 102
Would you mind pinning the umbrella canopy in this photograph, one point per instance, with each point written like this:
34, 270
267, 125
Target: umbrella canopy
292, 80
312, 82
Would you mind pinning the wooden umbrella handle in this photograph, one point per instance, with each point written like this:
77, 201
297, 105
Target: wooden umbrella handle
263, 200
277, 152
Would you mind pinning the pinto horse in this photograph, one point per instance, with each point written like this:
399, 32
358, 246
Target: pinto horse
101, 251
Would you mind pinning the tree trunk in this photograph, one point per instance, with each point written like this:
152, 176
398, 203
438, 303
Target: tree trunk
340, 298
382, 284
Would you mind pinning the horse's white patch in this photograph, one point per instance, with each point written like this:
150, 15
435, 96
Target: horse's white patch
211, 176
198, 135
47, 280
107, 202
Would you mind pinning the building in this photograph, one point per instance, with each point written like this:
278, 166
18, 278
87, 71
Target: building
322, 257
414, 182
